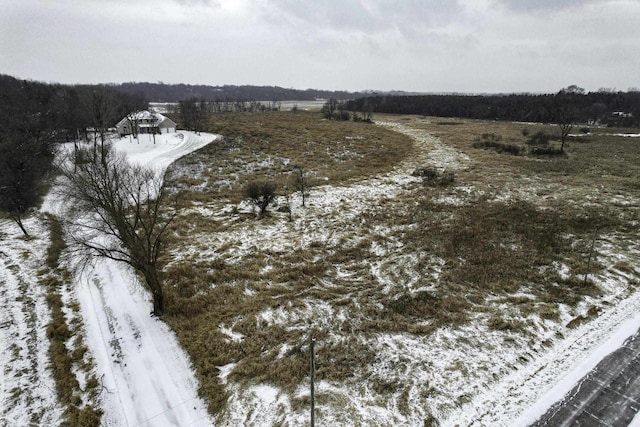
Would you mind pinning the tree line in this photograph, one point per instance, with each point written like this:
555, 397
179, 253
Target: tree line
163, 92
69, 110
33, 118
605, 107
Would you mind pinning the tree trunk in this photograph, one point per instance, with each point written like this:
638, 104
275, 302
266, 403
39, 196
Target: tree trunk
18, 220
155, 286
158, 303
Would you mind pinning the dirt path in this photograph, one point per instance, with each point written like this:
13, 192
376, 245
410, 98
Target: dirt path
429, 149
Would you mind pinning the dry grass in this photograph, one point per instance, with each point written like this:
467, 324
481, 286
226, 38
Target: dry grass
491, 260
268, 145
68, 354
599, 159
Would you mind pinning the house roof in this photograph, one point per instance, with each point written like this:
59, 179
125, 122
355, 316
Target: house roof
146, 115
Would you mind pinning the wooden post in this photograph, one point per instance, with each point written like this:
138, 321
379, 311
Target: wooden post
312, 373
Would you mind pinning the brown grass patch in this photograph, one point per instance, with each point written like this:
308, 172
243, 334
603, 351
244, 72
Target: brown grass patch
269, 145
490, 259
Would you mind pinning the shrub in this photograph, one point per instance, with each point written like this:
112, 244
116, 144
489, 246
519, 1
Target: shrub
261, 194
539, 138
546, 151
491, 140
432, 176
525, 132
341, 115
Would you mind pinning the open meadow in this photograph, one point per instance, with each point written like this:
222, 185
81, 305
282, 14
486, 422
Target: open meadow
433, 274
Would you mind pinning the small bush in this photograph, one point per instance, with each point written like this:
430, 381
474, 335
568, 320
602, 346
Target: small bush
539, 138
525, 132
432, 176
546, 151
343, 115
585, 130
491, 137
261, 194
492, 141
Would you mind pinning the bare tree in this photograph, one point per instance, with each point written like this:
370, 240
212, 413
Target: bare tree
193, 113
329, 108
116, 211
133, 118
287, 198
103, 107
566, 122
301, 183
25, 163
261, 194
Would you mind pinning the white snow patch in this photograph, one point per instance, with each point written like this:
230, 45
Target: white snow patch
225, 370
233, 336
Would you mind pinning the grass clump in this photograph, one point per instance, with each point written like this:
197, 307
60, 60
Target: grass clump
433, 176
492, 141
57, 244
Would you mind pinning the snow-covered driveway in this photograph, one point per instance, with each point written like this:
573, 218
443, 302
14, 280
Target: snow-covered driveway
146, 377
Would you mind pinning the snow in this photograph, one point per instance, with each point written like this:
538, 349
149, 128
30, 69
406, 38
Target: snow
627, 135
27, 388
233, 336
146, 376
568, 381
167, 148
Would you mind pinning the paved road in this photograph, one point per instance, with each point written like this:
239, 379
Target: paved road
609, 395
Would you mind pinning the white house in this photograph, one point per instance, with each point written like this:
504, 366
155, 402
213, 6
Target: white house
145, 122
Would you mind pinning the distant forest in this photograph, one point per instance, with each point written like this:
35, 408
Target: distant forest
62, 112
161, 92
602, 107
72, 109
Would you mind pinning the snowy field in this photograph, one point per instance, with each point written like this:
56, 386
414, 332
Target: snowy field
27, 389
469, 375
147, 379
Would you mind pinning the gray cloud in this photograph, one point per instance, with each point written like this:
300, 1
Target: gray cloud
543, 6
210, 3
368, 16
430, 45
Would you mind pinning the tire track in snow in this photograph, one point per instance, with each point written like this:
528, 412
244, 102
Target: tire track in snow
147, 377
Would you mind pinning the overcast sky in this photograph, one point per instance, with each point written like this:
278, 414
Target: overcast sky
413, 45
